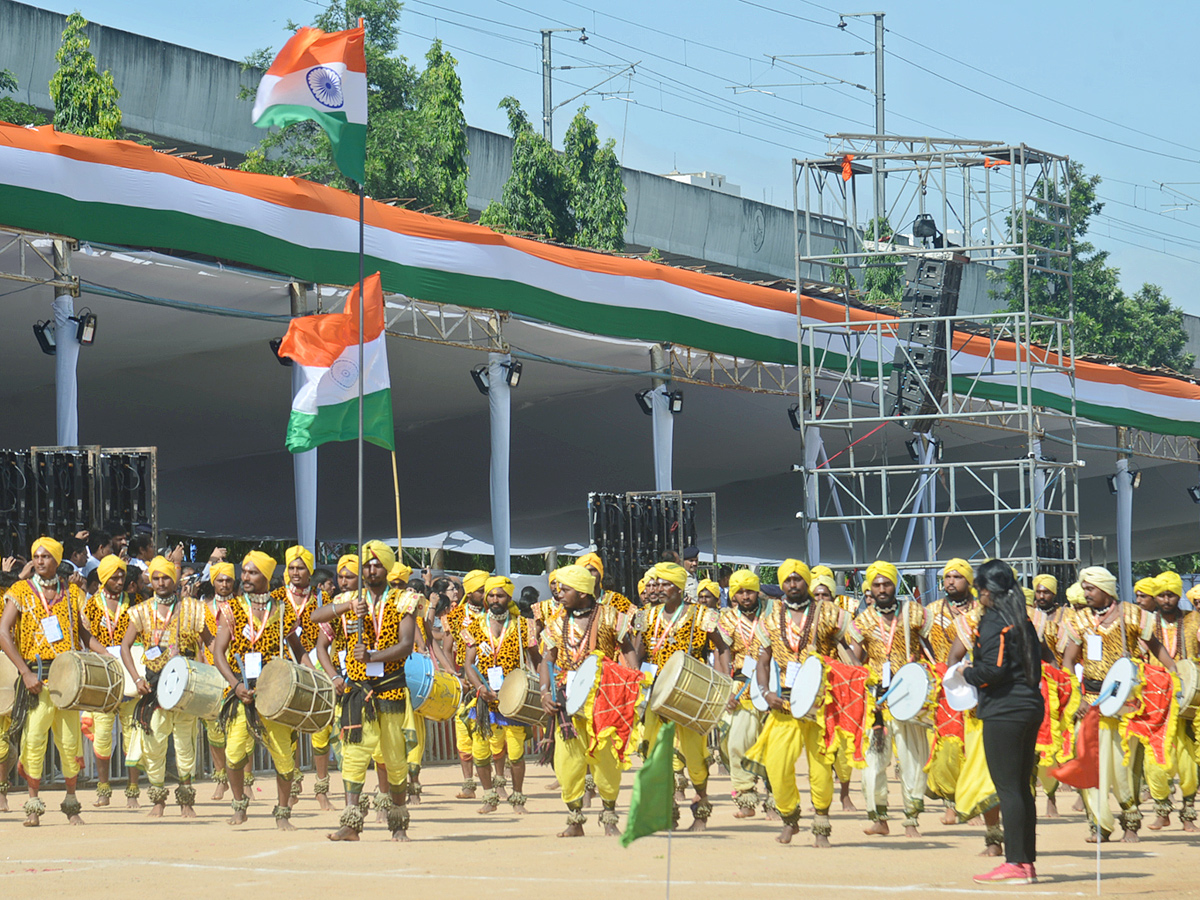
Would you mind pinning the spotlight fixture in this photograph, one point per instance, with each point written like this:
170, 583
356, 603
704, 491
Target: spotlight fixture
274, 344
644, 401
924, 226
1112, 484
1135, 478
479, 375
86, 332
914, 449
1135, 481
513, 373
1194, 493
794, 417
44, 332
675, 402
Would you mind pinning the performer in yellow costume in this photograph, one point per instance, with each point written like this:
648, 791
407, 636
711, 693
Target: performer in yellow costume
470, 608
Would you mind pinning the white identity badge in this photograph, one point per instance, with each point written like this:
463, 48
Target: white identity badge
374, 670
1095, 648
253, 665
793, 669
153, 653
52, 629
312, 657
750, 668
495, 677
114, 651
342, 660
650, 669
885, 677
248, 632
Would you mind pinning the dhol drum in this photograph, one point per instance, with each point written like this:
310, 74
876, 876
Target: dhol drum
757, 698
580, 685
520, 698
295, 696
8, 684
960, 696
808, 688
1189, 688
690, 693
1120, 693
434, 695
139, 665
912, 696
191, 687
82, 680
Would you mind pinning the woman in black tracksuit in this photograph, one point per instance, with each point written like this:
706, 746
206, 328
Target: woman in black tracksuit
1006, 668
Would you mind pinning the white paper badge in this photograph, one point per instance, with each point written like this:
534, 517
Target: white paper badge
650, 669
252, 665
886, 675
114, 651
1095, 648
52, 629
374, 670
495, 677
793, 669
342, 660
153, 652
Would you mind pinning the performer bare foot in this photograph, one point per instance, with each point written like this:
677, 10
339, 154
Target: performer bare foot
788, 832
847, 803
910, 831
1051, 808
879, 827
949, 817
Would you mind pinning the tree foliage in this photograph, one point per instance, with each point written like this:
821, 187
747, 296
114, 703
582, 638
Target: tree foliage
14, 111
1139, 329
882, 278
85, 99
416, 131
576, 197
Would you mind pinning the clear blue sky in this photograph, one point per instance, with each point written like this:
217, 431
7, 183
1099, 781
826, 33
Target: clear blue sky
1120, 76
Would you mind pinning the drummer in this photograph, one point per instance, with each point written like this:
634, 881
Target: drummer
824, 589
304, 597
414, 723
379, 630
890, 641
792, 632
1047, 617
252, 632
107, 615
584, 628
43, 617
672, 626
166, 626
497, 644
454, 624
844, 602
224, 581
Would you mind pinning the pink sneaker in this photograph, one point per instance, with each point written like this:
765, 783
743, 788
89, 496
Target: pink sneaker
1031, 872
1013, 873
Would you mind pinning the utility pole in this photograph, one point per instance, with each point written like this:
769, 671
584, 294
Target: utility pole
877, 173
547, 70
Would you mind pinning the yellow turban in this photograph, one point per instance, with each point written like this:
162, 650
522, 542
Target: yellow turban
672, 572
1100, 577
399, 574
709, 585
1169, 583
1049, 582
505, 584
822, 570
305, 556
886, 569
552, 577
163, 565
827, 581
578, 578
1149, 586
380, 551
593, 560
216, 570
349, 561
790, 566
1076, 596
1193, 594
1028, 596
477, 578
743, 580
963, 568
264, 563
641, 586
109, 566
50, 545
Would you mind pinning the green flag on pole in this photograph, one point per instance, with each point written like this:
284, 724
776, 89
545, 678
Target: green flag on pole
652, 807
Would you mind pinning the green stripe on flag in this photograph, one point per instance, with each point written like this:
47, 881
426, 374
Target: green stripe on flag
652, 806
339, 422
349, 139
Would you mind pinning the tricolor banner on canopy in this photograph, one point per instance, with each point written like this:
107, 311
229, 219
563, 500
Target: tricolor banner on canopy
321, 77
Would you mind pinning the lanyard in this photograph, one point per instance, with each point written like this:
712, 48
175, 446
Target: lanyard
661, 633
746, 636
157, 632
110, 621
265, 621
887, 650
583, 648
495, 644
789, 627
61, 594
307, 596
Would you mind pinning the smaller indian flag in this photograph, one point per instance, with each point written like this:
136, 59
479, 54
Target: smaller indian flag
322, 77
326, 349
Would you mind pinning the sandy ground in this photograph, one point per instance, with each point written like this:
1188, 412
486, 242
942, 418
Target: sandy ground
456, 852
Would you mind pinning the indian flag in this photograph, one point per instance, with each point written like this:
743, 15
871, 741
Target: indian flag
322, 77
326, 349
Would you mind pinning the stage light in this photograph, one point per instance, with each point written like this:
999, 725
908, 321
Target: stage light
1194, 493
675, 402
513, 373
924, 226
644, 401
1136, 479
274, 344
794, 417
86, 333
1112, 484
913, 451
44, 332
479, 375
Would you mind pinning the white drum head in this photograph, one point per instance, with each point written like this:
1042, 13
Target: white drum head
806, 689
580, 684
1118, 685
909, 692
960, 696
757, 698
172, 683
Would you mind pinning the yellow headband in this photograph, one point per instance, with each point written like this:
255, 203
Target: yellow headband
963, 568
790, 566
827, 581
886, 569
50, 545
1148, 586
298, 552
380, 551
1049, 582
499, 581
349, 561
163, 565
474, 580
743, 580
711, 586
593, 560
399, 574
578, 578
264, 563
672, 572
110, 566
216, 570
1169, 583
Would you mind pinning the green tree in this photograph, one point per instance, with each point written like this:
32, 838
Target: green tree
85, 99
13, 111
597, 192
416, 132
882, 279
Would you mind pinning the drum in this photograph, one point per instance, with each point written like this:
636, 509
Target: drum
808, 689
191, 687
82, 680
912, 696
960, 696
520, 698
295, 696
8, 685
690, 693
580, 685
1121, 691
757, 698
1189, 688
139, 665
433, 695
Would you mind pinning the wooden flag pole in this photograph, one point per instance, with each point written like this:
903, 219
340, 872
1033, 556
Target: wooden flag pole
396, 485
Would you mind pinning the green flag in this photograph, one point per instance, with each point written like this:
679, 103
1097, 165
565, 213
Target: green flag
652, 807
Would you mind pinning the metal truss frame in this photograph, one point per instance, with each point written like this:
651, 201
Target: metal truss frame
29, 255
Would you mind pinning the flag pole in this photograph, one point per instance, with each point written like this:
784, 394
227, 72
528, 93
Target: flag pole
396, 486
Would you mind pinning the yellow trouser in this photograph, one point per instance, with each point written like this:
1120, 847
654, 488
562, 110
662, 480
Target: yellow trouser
382, 739
462, 736
239, 743
5, 722
745, 725
320, 740
414, 728
843, 760
164, 725
975, 793
912, 750
944, 767
45, 718
512, 736
216, 734
692, 744
783, 740
104, 728
1114, 778
1183, 764
572, 762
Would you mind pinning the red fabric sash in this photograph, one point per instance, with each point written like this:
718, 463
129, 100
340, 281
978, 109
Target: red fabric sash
846, 709
615, 705
948, 722
1084, 770
1152, 722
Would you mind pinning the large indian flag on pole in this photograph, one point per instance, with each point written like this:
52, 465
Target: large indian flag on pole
326, 349
322, 77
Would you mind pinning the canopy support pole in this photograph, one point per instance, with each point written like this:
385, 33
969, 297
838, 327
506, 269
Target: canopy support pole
304, 465
1124, 530
500, 417
66, 354
662, 421
814, 449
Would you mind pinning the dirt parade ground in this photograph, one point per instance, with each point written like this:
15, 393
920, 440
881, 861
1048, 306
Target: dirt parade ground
456, 852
